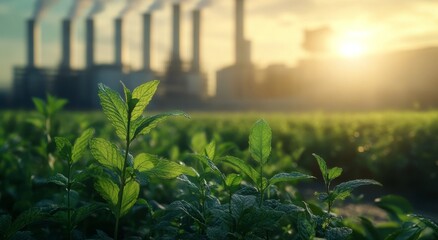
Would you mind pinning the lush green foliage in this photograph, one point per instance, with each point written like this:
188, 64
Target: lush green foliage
227, 186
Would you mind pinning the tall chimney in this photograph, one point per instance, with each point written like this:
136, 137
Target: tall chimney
89, 43
176, 33
196, 40
32, 43
118, 42
240, 38
67, 44
147, 30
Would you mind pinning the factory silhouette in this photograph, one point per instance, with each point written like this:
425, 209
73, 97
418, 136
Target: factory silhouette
402, 79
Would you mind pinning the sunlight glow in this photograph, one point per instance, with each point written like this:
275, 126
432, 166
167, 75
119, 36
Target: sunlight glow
351, 49
352, 44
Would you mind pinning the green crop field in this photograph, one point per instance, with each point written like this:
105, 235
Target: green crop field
118, 174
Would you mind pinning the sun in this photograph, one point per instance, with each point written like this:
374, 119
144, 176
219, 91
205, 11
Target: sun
351, 44
351, 49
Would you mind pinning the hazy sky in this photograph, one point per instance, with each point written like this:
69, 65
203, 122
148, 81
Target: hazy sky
275, 28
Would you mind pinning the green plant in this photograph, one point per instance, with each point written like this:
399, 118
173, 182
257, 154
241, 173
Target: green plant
72, 154
329, 225
120, 185
48, 109
260, 149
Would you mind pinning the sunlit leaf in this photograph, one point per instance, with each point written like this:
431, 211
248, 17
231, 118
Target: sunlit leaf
322, 167
143, 126
108, 190
106, 154
210, 150
144, 162
162, 169
233, 180
115, 109
244, 167
260, 141
144, 95
334, 173
81, 144
130, 195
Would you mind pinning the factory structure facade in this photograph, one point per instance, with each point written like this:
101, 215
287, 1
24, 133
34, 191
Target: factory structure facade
79, 86
400, 79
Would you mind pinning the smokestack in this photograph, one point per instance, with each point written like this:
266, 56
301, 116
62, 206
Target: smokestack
147, 30
32, 43
176, 33
89, 43
240, 38
67, 44
196, 40
118, 42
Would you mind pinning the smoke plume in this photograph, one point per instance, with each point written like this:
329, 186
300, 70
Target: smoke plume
203, 4
131, 5
41, 7
77, 8
98, 6
155, 5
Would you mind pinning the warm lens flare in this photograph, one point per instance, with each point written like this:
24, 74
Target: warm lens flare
351, 49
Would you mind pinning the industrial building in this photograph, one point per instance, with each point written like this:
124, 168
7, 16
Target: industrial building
401, 79
180, 84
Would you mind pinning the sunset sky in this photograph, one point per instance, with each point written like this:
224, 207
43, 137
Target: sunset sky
275, 28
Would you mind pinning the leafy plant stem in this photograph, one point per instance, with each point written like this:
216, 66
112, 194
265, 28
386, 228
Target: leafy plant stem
262, 190
329, 202
123, 179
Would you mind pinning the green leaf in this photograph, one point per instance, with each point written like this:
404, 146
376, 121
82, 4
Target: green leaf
144, 95
143, 126
244, 167
81, 144
233, 180
40, 105
144, 162
162, 169
28, 217
428, 222
287, 177
189, 210
108, 190
64, 147
396, 206
344, 189
83, 212
198, 142
130, 195
58, 179
106, 154
210, 150
322, 167
115, 109
406, 233
260, 141
338, 233
54, 104
241, 204
334, 173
